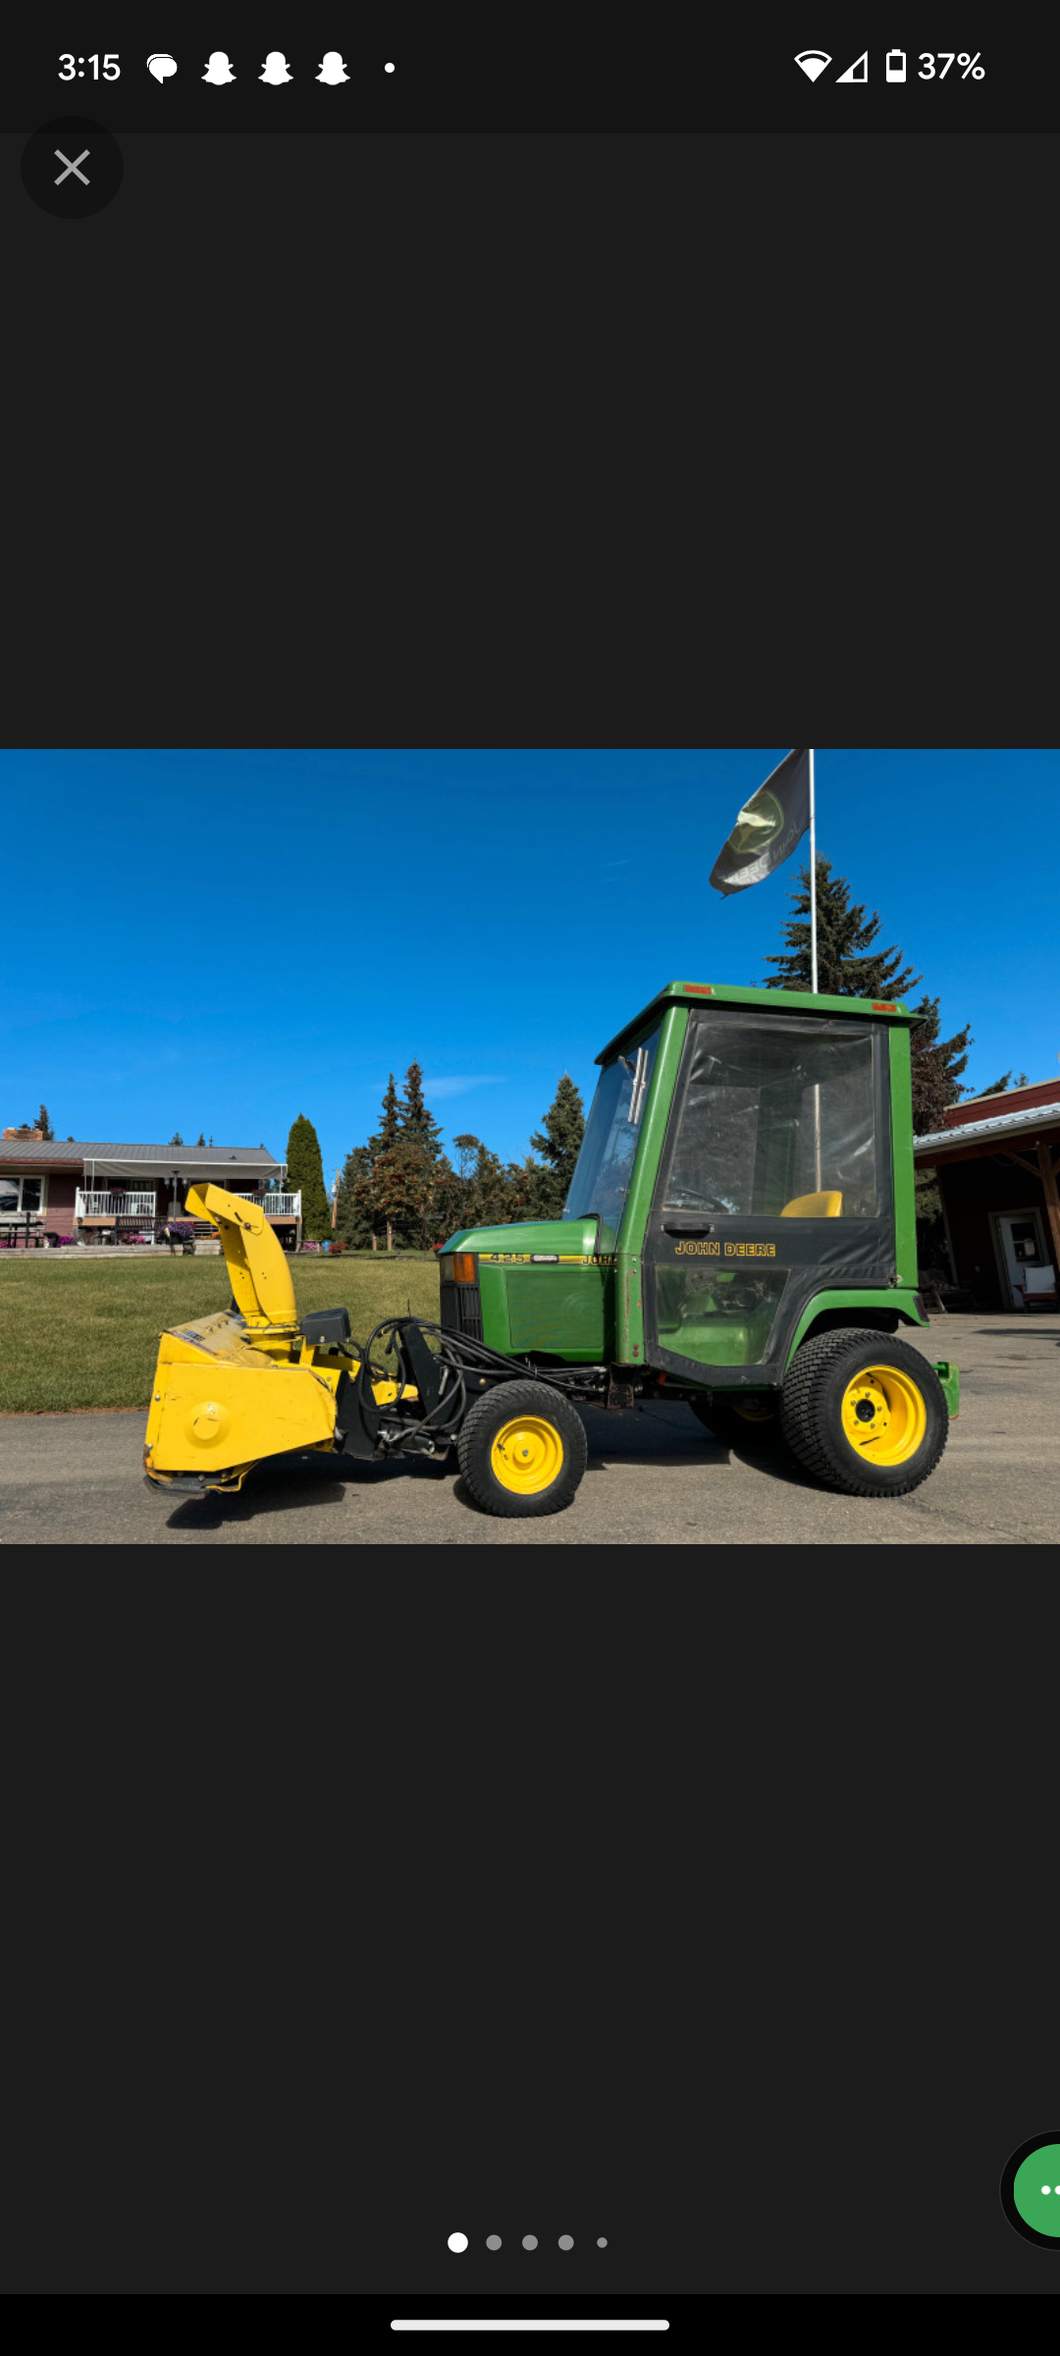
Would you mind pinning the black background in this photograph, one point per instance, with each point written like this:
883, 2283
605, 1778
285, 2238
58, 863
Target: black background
697, 1901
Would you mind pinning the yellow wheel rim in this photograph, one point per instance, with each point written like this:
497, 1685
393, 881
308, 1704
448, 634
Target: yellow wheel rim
758, 1414
527, 1454
884, 1416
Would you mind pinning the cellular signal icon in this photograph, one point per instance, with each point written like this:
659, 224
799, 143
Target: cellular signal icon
813, 62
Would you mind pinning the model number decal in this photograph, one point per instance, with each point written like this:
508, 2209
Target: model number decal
729, 1251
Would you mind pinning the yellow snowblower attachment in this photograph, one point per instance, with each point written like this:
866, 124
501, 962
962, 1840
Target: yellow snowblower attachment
252, 1381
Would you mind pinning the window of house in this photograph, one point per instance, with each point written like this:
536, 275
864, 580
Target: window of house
20, 1196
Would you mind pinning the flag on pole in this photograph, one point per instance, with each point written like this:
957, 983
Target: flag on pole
768, 828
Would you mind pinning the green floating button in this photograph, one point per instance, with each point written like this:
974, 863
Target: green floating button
1036, 2189
1030, 2190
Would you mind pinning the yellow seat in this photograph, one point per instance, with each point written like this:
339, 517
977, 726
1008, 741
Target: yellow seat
813, 1206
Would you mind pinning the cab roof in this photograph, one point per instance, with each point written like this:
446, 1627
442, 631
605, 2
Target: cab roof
892, 1010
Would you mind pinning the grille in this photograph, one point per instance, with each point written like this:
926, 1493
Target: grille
462, 1309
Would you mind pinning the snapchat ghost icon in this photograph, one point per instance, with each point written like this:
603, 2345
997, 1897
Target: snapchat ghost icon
332, 70
275, 68
219, 69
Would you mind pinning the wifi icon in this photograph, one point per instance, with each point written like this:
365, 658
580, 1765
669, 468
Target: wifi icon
813, 62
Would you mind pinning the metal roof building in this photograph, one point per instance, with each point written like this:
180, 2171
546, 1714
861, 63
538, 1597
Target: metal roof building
996, 1165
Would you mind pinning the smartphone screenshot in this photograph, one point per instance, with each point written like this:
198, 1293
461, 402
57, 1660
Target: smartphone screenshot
563, 1848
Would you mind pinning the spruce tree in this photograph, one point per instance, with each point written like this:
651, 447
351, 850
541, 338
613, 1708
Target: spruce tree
305, 1174
849, 964
401, 1193
1007, 1080
200, 1140
44, 1125
176, 1139
559, 1142
418, 1125
354, 1219
937, 1065
386, 1135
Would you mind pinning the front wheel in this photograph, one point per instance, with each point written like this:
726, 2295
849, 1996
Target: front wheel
865, 1413
522, 1450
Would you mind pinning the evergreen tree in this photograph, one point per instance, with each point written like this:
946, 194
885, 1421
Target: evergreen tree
401, 1193
849, 964
937, 1065
417, 1124
1007, 1080
200, 1140
489, 1193
355, 1209
305, 1173
44, 1125
387, 1134
447, 1200
558, 1142
176, 1139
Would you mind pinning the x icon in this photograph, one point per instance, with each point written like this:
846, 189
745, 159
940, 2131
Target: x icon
72, 167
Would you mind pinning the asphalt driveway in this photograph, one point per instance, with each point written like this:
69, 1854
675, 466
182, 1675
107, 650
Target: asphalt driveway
654, 1478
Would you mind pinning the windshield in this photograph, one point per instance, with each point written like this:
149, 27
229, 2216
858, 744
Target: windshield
603, 1168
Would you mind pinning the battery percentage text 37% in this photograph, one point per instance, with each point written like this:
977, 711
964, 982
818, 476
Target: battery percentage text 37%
929, 59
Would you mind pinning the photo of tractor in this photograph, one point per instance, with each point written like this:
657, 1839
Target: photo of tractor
739, 1234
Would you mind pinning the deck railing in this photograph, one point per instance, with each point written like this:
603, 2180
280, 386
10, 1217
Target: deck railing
114, 1206
275, 1206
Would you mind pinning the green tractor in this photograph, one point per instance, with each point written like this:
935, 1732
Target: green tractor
739, 1233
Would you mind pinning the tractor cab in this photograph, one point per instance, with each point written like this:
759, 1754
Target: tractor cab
766, 1176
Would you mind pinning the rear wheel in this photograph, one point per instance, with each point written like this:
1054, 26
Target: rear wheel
865, 1413
522, 1450
754, 1425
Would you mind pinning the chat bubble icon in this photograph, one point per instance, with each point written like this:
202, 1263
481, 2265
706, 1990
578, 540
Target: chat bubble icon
161, 65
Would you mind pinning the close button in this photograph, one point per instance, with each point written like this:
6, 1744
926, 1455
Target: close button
71, 167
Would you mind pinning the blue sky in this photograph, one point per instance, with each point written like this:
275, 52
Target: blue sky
220, 941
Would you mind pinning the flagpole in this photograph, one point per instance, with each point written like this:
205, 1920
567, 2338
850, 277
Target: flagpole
813, 886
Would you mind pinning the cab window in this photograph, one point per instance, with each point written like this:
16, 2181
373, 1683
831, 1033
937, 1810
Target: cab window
777, 1118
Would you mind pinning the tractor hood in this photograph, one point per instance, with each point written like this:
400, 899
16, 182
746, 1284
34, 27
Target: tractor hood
559, 1239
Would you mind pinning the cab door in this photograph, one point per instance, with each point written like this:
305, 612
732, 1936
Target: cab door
774, 1183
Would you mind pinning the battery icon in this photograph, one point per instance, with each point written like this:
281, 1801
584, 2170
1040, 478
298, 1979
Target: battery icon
896, 65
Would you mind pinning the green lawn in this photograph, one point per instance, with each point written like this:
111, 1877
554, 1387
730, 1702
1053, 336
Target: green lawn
87, 1336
